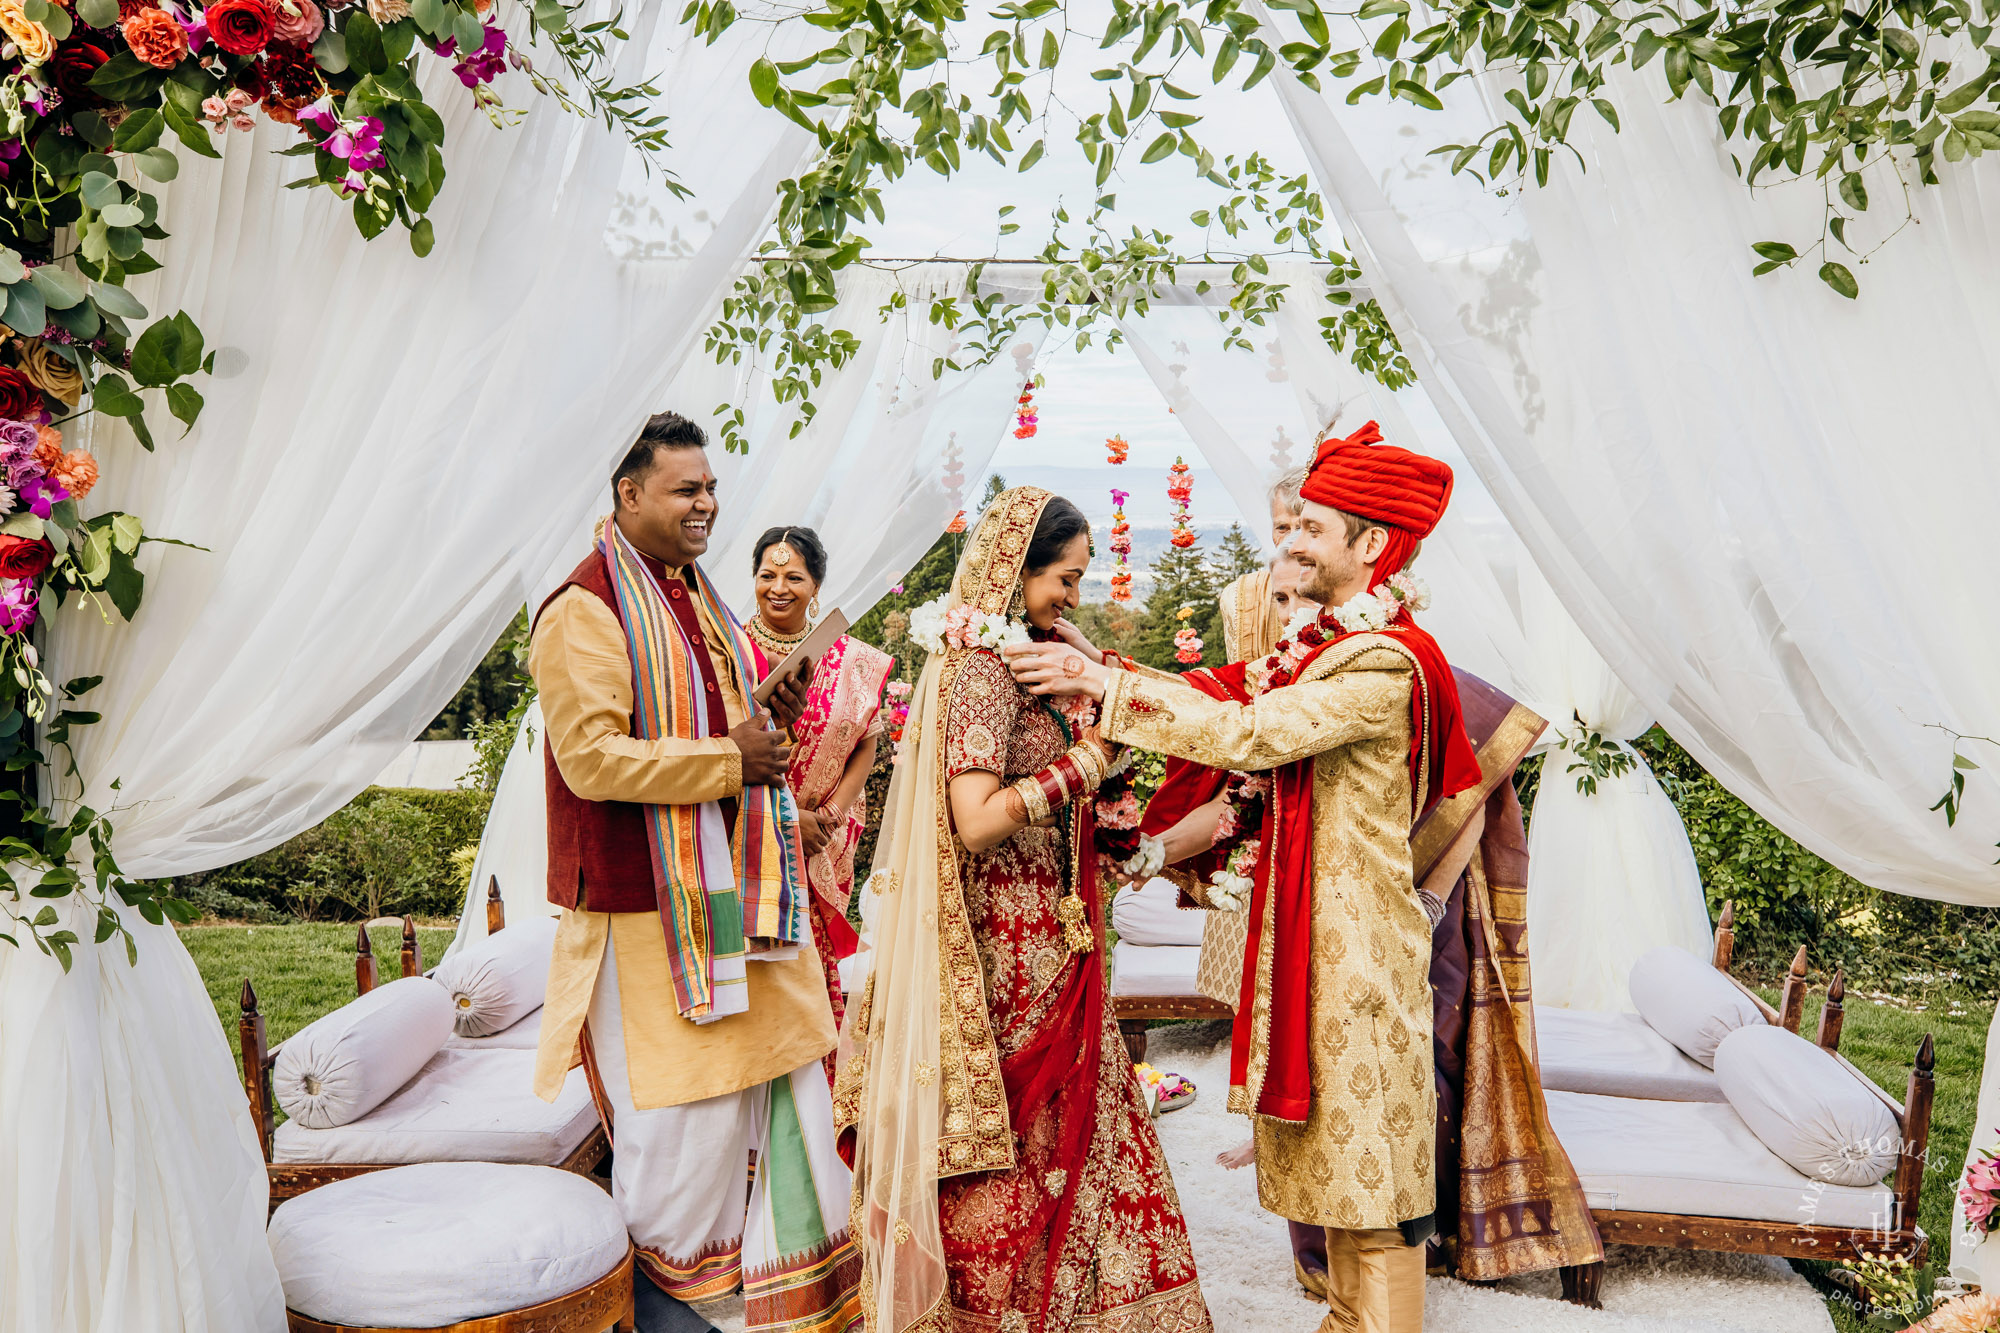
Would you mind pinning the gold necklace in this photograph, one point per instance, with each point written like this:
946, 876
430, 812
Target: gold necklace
771, 639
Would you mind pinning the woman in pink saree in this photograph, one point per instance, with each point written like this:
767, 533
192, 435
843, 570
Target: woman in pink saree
833, 742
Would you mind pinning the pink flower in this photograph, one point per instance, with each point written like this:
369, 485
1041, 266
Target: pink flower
244, 123
237, 99
1122, 813
17, 605
214, 108
301, 28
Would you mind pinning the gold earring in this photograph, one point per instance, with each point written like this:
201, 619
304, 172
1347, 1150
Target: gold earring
1019, 606
812, 608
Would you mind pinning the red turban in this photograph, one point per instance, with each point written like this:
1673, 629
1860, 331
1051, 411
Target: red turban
1391, 486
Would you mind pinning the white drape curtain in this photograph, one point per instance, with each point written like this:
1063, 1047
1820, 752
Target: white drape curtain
1766, 505
1763, 503
393, 448
1611, 874
870, 473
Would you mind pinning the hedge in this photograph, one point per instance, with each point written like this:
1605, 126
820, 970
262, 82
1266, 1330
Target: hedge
391, 850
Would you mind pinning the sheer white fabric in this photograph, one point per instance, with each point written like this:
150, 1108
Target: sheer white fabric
1611, 875
1761, 502
873, 473
393, 448
132, 1189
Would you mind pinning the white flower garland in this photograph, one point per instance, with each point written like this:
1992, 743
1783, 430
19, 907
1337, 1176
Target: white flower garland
1375, 611
933, 627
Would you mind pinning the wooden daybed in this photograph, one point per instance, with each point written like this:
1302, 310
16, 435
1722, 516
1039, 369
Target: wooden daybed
291, 1178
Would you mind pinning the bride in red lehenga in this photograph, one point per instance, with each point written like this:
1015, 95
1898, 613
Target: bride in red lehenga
1006, 1176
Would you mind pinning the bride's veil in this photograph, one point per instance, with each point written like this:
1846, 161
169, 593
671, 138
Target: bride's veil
919, 1084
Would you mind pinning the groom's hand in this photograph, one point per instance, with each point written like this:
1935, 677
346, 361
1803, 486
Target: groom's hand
765, 753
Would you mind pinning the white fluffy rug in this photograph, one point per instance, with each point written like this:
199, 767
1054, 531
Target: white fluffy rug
1245, 1259
1244, 1255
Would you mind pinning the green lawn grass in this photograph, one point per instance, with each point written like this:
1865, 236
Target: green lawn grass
301, 972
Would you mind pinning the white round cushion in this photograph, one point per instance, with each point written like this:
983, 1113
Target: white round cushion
1151, 914
1685, 1000
1803, 1105
340, 1067
429, 1245
497, 982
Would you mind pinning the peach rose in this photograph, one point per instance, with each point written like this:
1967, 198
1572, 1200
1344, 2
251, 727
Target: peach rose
33, 39
77, 472
156, 38
383, 12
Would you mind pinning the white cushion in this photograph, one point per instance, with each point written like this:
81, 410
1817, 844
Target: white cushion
1154, 970
1806, 1107
1616, 1055
1150, 914
345, 1064
425, 1246
466, 1106
523, 1036
1685, 1000
501, 979
1696, 1159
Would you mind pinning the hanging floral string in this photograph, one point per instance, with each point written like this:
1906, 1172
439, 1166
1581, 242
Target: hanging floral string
1180, 489
1024, 411
898, 706
954, 470
1187, 643
1121, 548
957, 524
1116, 449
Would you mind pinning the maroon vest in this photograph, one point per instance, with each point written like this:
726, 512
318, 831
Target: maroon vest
599, 857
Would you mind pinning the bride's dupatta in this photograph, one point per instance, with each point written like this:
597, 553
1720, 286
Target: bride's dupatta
919, 1095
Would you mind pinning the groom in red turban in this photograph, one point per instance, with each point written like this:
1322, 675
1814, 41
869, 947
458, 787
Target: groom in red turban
1335, 744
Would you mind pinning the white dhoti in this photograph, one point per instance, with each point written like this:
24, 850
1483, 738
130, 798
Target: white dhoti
702, 1218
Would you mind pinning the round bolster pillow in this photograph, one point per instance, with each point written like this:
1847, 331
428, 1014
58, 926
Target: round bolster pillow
497, 982
340, 1067
1685, 1000
1807, 1107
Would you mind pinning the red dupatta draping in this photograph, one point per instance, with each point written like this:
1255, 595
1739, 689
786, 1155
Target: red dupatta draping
1442, 764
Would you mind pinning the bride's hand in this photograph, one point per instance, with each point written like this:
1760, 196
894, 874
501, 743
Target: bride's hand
1076, 639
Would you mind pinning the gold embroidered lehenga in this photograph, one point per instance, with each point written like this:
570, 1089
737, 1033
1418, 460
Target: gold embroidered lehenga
1007, 1178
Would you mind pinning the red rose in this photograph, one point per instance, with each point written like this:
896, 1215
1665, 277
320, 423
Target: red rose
241, 27
251, 80
72, 66
20, 400
24, 559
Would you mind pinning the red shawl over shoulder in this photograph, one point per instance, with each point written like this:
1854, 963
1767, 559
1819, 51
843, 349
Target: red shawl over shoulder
1442, 764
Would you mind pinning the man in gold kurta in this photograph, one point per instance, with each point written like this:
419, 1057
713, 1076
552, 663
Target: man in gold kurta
1358, 727
688, 1092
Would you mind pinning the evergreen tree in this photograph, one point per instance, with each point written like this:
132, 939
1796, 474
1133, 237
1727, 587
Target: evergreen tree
1237, 556
1181, 577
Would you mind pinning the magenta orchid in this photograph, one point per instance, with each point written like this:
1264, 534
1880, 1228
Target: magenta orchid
481, 66
18, 602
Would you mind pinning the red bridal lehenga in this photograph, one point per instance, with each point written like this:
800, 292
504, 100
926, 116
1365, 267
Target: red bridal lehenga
1042, 1200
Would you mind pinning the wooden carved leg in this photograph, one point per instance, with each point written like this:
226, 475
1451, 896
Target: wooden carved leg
1582, 1284
1134, 1032
628, 1322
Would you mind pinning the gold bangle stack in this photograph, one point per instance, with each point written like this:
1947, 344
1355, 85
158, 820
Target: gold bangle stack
1031, 796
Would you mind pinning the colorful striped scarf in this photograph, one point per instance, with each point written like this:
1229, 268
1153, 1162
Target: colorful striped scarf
723, 900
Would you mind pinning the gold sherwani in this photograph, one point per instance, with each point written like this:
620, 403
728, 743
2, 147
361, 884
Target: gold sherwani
1363, 1158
